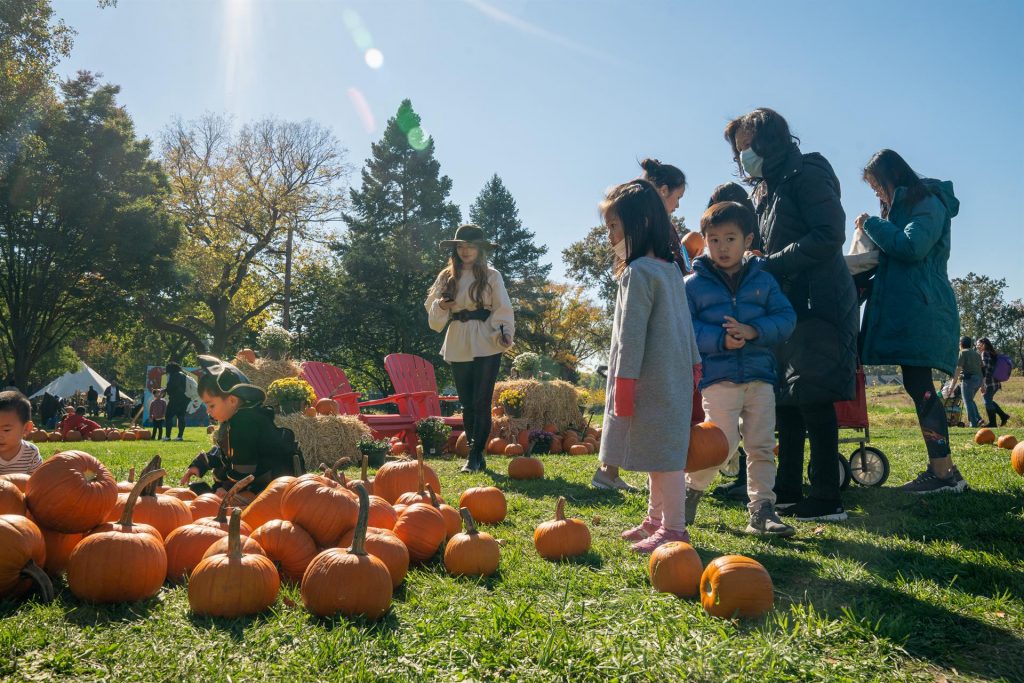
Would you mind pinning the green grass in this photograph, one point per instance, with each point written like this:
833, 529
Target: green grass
909, 589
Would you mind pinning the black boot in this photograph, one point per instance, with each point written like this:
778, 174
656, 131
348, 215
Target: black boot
991, 417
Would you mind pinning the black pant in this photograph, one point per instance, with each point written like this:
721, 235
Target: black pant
931, 416
474, 381
176, 415
818, 422
158, 428
992, 408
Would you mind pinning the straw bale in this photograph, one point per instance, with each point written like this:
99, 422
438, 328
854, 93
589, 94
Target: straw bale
325, 439
543, 403
266, 371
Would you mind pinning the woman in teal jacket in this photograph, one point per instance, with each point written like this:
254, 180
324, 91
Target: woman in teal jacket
911, 318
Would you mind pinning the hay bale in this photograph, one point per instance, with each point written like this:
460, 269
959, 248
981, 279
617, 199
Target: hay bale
325, 439
265, 371
543, 402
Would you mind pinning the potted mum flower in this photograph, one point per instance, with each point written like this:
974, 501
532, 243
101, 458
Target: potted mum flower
292, 394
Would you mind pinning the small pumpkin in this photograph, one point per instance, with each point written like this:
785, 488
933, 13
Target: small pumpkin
497, 446
19, 479
223, 545
1017, 459
525, 467
422, 529
204, 505
12, 500
186, 546
386, 546
71, 492
708, 447
579, 449
309, 411
399, 476
561, 538
472, 553
514, 449
569, 439
984, 436
486, 503
462, 445
364, 478
556, 446
22, 556
288, 545
1007, 441
98, 435
382, 514
734, 585
327, 406
248, 355
420, 495
73, 435
164, 513
550, 428
185, 495
675, 567
398, 448
233, 584
126, 485
452, 519
349, 582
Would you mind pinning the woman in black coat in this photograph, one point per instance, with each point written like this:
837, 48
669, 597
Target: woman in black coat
177, 400
802, 227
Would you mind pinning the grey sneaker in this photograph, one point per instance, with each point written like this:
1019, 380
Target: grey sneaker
692, 500
929, 482
764, 522
602, 480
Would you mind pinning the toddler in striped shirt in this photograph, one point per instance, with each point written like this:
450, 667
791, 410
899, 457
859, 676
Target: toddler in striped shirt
16, 454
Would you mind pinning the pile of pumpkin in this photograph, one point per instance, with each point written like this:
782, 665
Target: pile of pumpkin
985, 437
133, 434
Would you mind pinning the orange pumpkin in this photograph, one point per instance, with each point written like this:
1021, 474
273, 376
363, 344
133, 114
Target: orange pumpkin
382, 514
579, 449
184, 495
22, 556
221, 546
71, 492
522, 439
550, 428
452, 520
398, 448
1007, 441
514, 449
164, 513
248, 355
497, 446
12, 500
309, 411
267, 505
58, 550
288, 545
19, 479
421, 528
323, 507
569, 439
98, 435
525, 467
420, 495
73, 435
708, 447
984, 436
472, 553
1017, 459
220, 520
363, 479
327, 406
736, 585
556, 446
397, 477
386, 546
486, 503
204, 505
561, 538
676, 568
462, 446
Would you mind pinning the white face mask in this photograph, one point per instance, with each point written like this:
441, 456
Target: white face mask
620, 249
751, 162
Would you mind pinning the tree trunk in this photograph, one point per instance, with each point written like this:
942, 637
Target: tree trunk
286, 319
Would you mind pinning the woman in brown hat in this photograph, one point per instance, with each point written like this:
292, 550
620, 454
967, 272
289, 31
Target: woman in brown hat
469, 298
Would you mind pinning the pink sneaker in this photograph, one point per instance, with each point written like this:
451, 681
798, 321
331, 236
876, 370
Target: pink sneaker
659, 538
639, 533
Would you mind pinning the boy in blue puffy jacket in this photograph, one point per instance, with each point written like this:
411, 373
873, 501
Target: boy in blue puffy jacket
739, 316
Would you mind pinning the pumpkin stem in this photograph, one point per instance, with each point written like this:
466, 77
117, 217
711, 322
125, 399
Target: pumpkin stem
419, 461
366, 461
222, 510
359, 538
560, 509
131, 474
34, 572
467, 519
235, 535
433, 497
147, 479
153, 465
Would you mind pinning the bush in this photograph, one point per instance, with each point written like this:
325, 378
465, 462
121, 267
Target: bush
275, 341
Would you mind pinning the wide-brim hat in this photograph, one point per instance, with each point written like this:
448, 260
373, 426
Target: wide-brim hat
469, 234
231, 380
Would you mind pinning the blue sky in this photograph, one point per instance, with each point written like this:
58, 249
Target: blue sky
561, 98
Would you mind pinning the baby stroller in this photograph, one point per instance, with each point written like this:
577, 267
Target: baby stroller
951, 403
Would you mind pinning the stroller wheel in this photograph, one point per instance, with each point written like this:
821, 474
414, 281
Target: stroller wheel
731, 467
869, 466
844, 473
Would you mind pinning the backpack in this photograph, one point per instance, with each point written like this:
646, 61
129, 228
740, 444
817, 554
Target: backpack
1001, 371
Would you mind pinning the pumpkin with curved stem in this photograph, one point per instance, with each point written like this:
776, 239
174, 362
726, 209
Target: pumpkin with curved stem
288, 545
422, 529
561, 538
382, 514
984, 436
120, 565
19, 479
162, 512
675, 567
220, 520
204, 505
267, 505
1017, 459
734, 585
452, 519
349, 582
222, 545
386, 546
71, 492
525, 467
323, 507
472, 553
12, 500
1007, 441
486, 503
58, 550
363, 479
126, 485
22, 556
420, 495
398, 477
708, 447
233, 584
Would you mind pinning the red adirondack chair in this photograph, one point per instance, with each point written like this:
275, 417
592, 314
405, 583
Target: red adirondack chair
329, 381
414, 377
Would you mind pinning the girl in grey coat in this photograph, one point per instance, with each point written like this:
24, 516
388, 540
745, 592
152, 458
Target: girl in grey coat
652, 362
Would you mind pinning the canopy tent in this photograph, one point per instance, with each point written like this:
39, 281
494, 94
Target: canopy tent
71, 382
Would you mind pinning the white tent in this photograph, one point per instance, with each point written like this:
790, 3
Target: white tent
70, 382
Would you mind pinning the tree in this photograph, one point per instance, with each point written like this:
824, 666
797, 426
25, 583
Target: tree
387, 259
240, 199
1012, 333
589, 263
981, 304
572, 327
82, 230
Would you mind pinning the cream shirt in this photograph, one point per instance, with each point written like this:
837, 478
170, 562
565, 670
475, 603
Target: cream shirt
465, 341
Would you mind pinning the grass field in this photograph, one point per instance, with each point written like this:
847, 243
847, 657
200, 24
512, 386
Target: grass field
908, 589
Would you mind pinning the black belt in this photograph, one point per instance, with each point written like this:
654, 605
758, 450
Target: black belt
478, 314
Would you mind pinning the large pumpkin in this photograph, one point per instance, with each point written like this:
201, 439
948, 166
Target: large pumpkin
676, 568
19, 479
288, 545
486, 503
382, 514
984, 436
267, 505
421, 528
119, 565
471, 553
525, 467
321, 506
734, 585
71, 492
1007, 441
386, 546
397, 477
185, 495
22, 556
349, 582
708, 447
1017, 459
561, 538
233, 584
12, 500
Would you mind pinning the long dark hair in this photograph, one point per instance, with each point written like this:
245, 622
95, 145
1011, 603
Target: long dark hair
659, 174
770, 135
645, 223
454, 271
987, 345
891, 171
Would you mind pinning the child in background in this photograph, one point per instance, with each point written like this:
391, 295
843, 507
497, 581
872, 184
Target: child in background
17, 456
157, 412
76, 421
739, 314
651, 362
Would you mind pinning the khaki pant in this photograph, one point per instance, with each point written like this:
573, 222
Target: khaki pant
746, 410
667, 503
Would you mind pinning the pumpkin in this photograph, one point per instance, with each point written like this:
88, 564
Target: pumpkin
113, 435
323, 507
397, 477
186, 546
58, 550
693, 243
363, 479
185, 495
1007, 441
561, 538
514, 449
126, 485
122, 564
327, 406
267, 505
221, 546
984, 436
569, 439
71, 492
220, 520
420, 495
579, 449
382, 514
22, 556
98, 435
421, 528
497, 446
12, 500
486, 503
162, 512
556, 446
708, 447
525, 467
37, 436
675, 567
55, 436
522, 438
145, 436
462, 445
472, 553
204, 505
387, 547
452, 519
19, 479
398, 448
233, 584
288, 545
73, 435
128, 436
248, 355
399, 509
1017, 459
309, 411
349, 582
736, 585
550, 428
